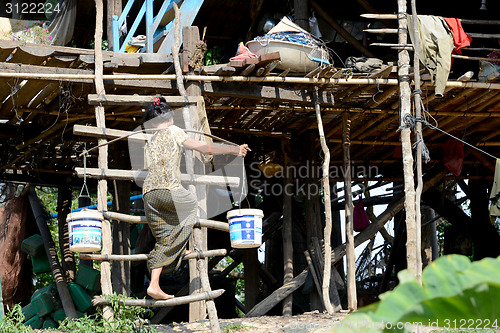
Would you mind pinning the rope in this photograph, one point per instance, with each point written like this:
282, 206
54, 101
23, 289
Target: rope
410, 122
154, 130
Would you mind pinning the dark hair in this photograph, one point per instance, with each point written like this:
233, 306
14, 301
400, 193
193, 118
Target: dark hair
158, 108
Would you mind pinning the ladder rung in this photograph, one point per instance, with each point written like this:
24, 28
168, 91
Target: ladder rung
143, 257
202, 223
117, 174
203, 296
95, 99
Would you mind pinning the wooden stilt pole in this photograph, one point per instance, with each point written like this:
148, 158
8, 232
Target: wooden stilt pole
120, 275
287, 234
404, 109
352, 302
328, 209
102, 185
419, 142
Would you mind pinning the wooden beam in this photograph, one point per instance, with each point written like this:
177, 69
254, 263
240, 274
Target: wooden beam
95, 99
143, 257
96, 173
217, 225
203, 296
278, 295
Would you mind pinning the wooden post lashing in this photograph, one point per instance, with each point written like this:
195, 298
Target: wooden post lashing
102, 185
419, 142
328, 208
406, 146
352, 303
287, 233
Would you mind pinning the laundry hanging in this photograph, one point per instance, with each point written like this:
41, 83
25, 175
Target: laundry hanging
436, 47
359, 217
453, 156
460, 38
495, 191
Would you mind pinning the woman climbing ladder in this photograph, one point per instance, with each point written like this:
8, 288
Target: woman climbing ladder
170, 208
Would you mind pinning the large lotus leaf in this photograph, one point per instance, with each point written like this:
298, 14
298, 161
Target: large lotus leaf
454, 290
402, 298
473, 308
444, 277
485, 270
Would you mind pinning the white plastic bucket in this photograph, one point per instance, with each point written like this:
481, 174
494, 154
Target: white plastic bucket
84, 228
245, 227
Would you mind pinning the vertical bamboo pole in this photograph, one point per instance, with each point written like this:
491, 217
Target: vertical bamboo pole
102, 185
404, 110
419, 139
328, 208
352, 303
287, 233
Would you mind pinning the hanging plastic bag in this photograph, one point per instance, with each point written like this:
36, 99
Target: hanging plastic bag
314, 27
360, 218
453, 156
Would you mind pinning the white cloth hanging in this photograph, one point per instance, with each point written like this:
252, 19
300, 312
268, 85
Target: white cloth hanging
62, 27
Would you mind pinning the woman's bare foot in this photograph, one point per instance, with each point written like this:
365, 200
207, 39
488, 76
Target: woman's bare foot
158, 294
187, 252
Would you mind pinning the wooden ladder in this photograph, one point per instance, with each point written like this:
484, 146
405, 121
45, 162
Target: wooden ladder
194, 180
198, 267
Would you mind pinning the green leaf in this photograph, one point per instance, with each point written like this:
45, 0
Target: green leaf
399, 301
443, 277
479, 303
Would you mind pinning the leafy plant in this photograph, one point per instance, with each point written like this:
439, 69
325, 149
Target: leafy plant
455, 294
13, 321
34, 34
125, 320
233, 328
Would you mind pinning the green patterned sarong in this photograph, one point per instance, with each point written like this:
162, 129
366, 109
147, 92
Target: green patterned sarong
171, 215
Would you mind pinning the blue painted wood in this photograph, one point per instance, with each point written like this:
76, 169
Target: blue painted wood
188, 11
134, 26
125, 11
188, 8
116, 34
166, 6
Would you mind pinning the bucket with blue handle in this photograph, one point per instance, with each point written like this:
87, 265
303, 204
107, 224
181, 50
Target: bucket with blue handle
245, 227
84, 229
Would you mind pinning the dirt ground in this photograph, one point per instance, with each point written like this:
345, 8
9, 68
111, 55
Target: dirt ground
311, 322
